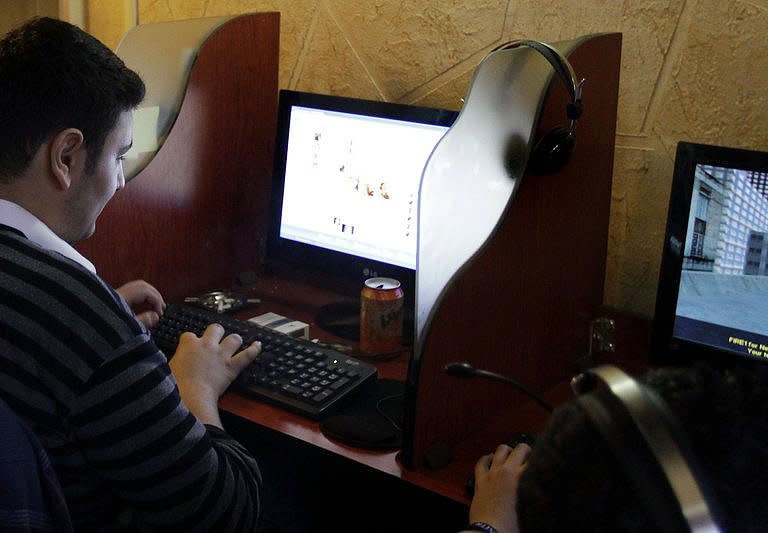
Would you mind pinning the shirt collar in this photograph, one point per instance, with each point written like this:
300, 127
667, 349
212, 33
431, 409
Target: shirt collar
35, 230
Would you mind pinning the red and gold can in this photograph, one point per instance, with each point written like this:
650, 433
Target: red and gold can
381, 315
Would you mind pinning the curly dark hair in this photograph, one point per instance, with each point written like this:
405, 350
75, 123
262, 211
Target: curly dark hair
573, 483
54, 76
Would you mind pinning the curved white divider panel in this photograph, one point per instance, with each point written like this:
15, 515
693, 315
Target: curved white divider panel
475, 170
162, 54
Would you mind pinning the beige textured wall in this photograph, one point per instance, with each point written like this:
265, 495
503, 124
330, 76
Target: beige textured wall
14, 12
691, 70
110, 20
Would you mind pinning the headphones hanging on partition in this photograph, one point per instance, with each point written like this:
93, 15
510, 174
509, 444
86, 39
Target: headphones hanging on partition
651, 447
552, 151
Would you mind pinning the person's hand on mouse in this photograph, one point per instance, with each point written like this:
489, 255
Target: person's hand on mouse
145, 300
496, 481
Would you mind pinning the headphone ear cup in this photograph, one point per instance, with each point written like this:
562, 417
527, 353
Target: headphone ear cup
552, 152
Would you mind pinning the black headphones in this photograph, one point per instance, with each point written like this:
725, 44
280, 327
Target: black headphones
552, 151
650, 446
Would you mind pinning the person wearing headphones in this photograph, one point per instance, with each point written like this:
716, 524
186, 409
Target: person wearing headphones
572, 479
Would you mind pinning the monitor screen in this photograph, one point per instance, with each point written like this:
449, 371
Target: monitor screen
346, 183
712, 300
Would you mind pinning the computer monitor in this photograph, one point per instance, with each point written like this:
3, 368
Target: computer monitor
712, 300
346, 182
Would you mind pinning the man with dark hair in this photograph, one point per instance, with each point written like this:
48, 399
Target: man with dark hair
571, 481
135, 442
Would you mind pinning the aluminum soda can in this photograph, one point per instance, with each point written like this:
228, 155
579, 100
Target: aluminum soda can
381, 315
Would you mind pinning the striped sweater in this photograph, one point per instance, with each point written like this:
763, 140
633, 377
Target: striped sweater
78, 367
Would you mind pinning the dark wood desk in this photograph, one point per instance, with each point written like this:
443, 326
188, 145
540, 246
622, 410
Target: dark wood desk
301, 300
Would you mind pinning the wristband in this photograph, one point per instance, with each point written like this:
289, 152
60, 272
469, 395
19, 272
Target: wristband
482, 526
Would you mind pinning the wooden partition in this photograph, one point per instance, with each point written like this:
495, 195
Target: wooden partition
195, 217
522, 306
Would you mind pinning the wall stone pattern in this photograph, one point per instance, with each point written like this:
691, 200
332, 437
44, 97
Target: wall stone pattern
693, 70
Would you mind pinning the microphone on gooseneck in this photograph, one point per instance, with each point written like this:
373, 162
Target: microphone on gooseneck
466, 371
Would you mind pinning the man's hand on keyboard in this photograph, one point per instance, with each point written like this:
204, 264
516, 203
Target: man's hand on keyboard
205, 366
145, 300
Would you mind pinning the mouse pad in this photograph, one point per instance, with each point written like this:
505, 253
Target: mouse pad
372, 420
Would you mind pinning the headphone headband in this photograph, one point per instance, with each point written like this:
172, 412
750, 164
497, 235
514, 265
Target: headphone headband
665, 442
561, 65
554, 148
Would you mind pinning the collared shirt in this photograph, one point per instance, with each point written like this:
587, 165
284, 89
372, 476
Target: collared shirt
15, 216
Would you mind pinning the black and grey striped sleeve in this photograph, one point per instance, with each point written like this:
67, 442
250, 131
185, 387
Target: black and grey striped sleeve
161, 462
78, 367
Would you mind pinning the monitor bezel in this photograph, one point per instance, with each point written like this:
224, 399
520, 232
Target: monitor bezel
666, 348
352, 268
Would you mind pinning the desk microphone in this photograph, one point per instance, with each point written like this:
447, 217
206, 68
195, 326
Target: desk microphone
465, 370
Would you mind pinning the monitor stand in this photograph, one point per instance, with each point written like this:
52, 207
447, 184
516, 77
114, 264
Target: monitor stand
340, 318
343, 320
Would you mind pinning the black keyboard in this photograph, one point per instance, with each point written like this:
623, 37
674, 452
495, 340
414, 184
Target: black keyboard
292, 373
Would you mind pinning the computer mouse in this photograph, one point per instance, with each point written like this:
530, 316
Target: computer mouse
521, 438
513, 441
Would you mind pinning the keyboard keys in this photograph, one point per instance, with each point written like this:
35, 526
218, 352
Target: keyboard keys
291, 373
